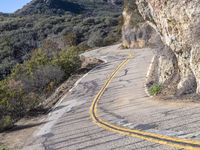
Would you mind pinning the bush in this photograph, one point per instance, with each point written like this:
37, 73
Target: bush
39, 57
41, 78
3, 147
33, 81
155, 89
50, 47
12, 101
71, 39
5, 123
68, 60
95, 39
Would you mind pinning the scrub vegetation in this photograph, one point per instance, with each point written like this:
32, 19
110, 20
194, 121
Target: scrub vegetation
89, 24
155, 89
40, 46
33, 81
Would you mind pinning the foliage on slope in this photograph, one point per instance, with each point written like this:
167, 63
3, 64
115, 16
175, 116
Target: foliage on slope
92, 23
33, 81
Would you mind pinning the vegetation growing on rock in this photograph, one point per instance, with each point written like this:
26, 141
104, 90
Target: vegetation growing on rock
3, 148
155, 89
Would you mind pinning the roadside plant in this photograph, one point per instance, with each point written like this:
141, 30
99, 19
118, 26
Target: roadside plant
31, 82
3, 147
155, 89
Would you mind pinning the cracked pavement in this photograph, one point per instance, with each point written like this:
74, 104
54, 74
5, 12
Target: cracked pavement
125, 103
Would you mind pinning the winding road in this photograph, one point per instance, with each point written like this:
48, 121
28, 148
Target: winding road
109, 109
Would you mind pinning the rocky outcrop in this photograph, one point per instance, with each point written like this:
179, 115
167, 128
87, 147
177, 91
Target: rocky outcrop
133, 27
177, 23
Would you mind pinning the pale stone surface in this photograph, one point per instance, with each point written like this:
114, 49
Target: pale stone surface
134, 32
177, 22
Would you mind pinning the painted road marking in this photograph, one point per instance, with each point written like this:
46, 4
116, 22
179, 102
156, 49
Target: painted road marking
152, 137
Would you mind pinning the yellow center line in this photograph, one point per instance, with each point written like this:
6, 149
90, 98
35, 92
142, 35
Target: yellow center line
152, 137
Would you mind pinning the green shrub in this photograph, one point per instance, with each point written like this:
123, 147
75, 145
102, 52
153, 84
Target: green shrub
71, 39
33, 81
3, 147
6, 122
68, 60
155, 89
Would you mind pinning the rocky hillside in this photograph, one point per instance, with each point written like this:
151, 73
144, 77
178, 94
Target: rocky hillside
83, 23
63, 6
176, 23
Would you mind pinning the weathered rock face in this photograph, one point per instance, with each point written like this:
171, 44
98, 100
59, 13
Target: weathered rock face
178, 23
135, 33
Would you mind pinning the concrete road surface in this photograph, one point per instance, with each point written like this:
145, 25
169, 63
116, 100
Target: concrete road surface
123, 103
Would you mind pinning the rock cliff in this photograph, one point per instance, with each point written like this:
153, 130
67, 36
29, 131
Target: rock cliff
177, 24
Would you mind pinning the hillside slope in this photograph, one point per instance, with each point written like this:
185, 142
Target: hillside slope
40, 46
85, 23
